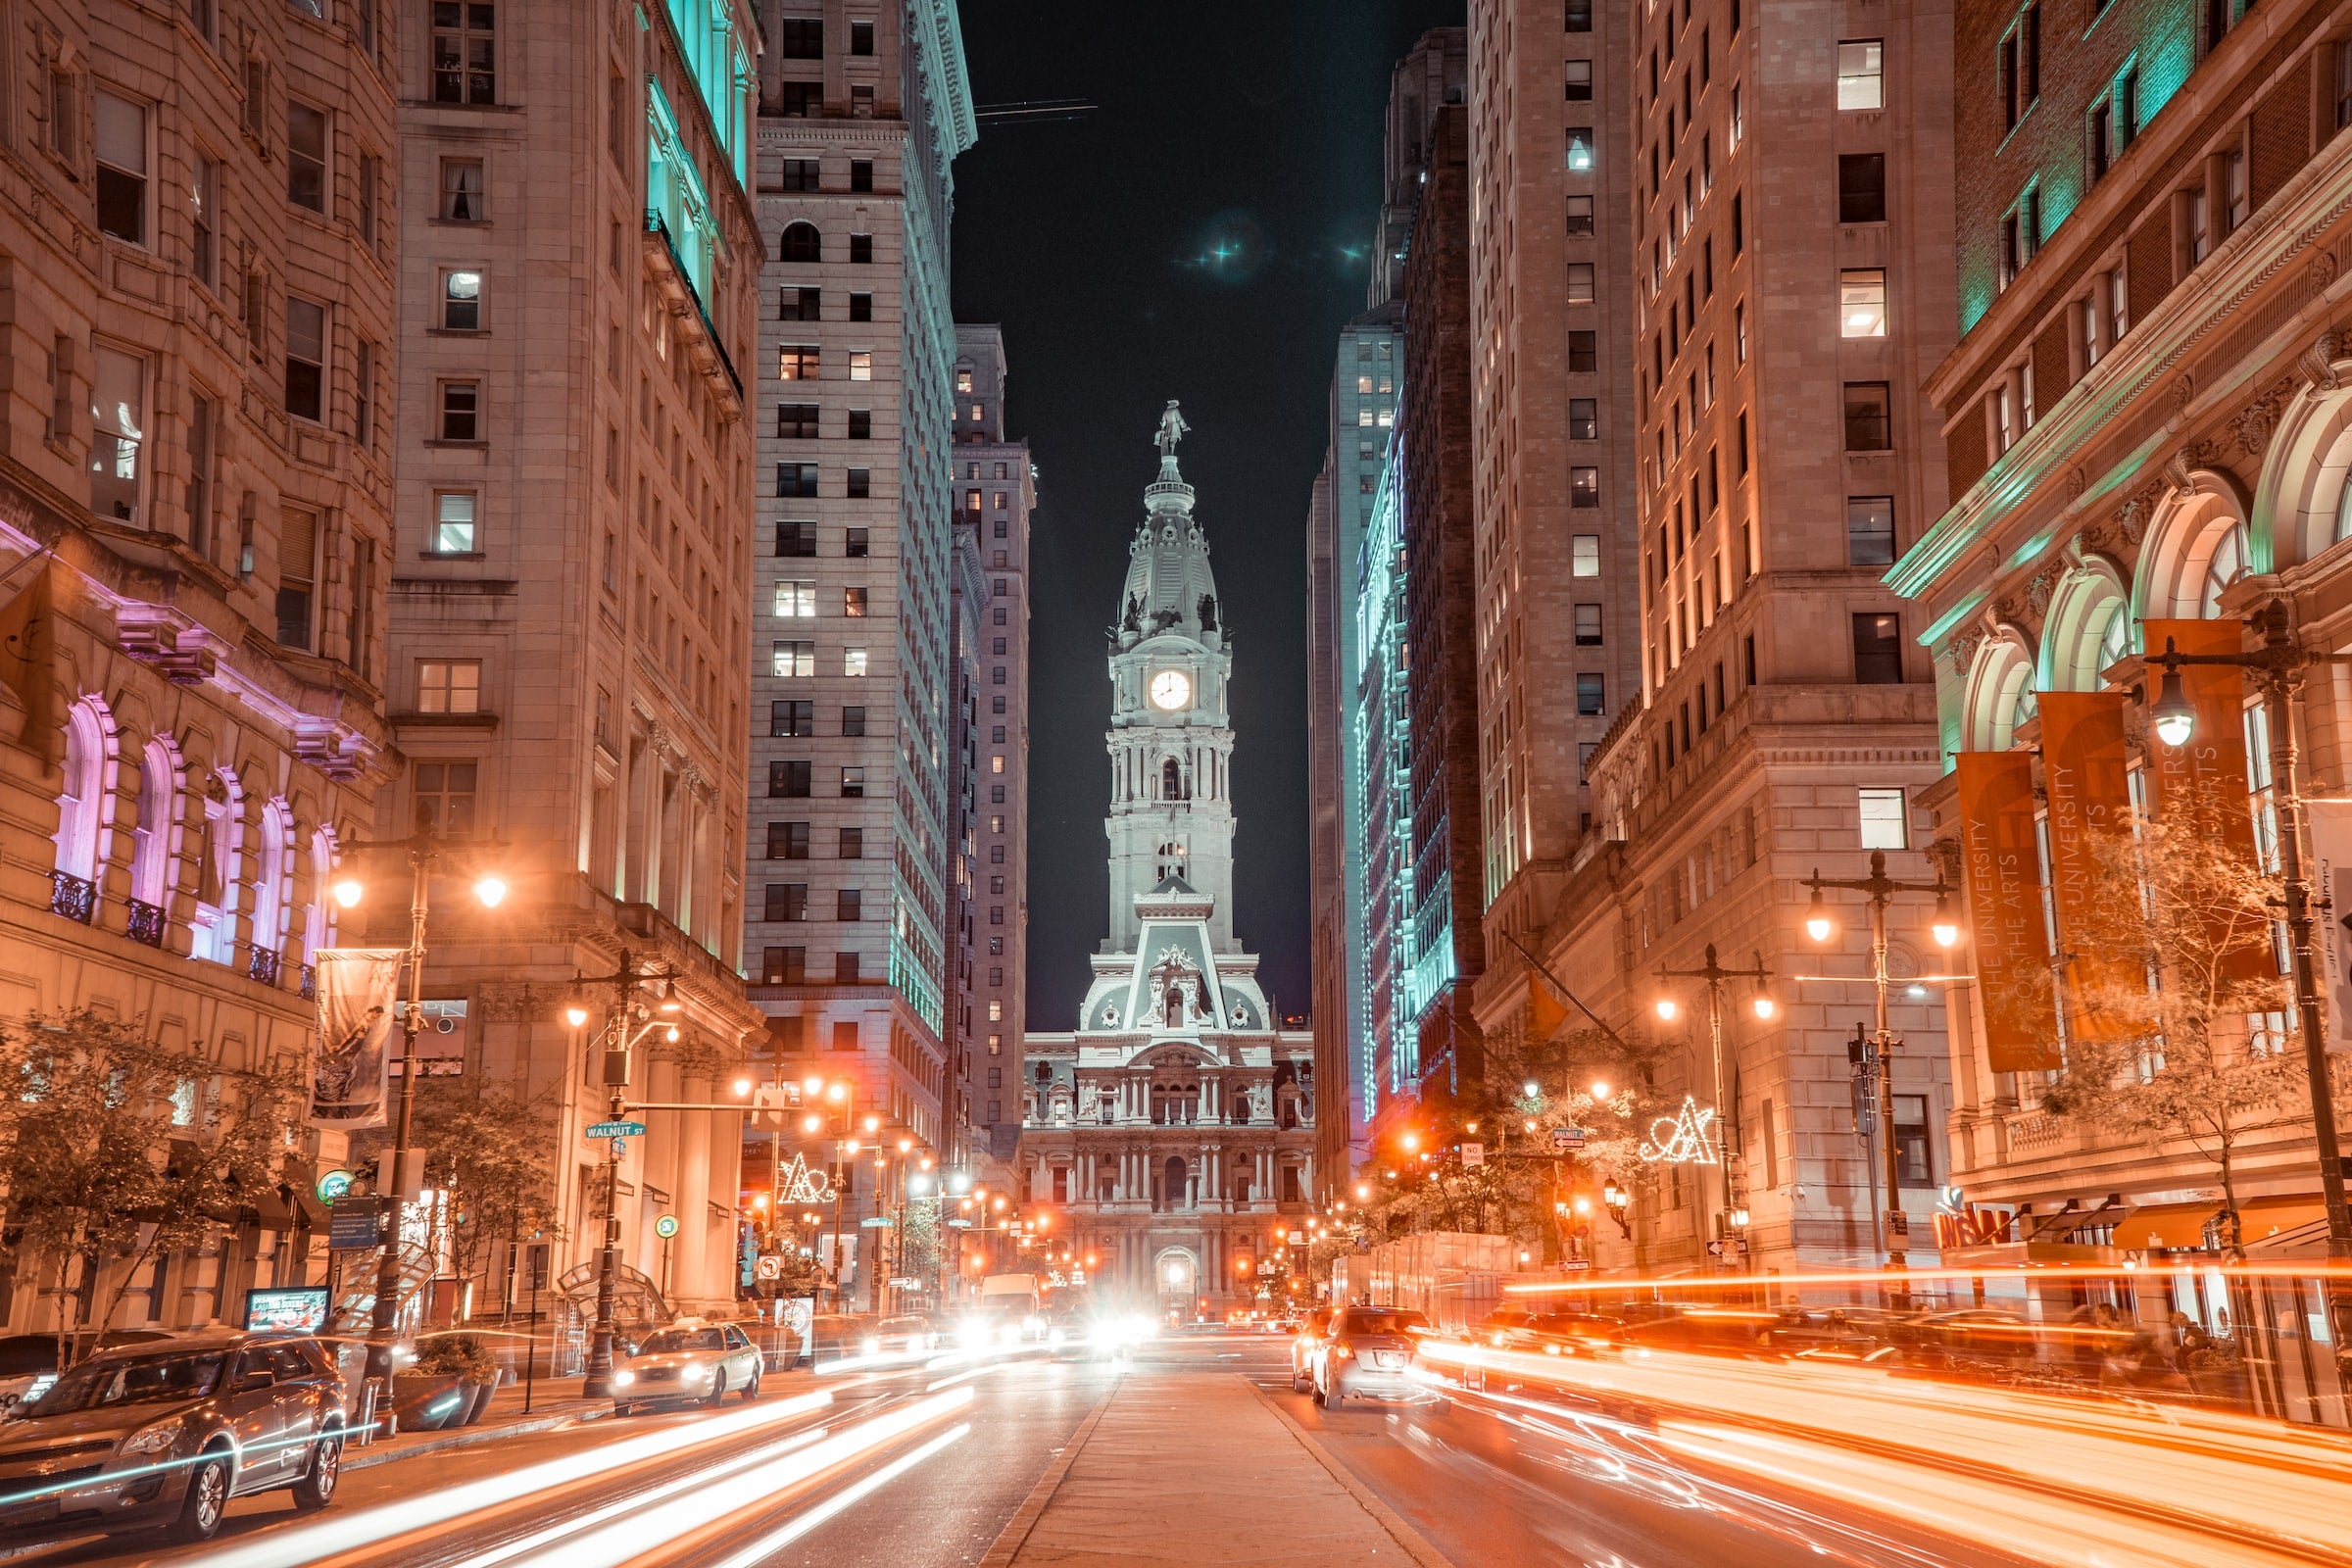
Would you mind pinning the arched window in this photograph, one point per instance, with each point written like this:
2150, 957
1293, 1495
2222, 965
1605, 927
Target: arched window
152, 842
318, 916
2000, 695
1172, 1182
220, 854
2343, 512
270, 889
800, 243
2223, 566
81, 811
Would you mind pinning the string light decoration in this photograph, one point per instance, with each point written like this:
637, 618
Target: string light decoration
1682, 1139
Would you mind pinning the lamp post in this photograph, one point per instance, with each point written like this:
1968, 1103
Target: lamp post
1733, 1214
2276, 668
625, 978
424, 851
1881, 889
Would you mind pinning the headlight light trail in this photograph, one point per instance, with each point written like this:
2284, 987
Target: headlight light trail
844, 1498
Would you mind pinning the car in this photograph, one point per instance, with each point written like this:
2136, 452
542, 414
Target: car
1371, 1352
910, 1335
167, 1433
28, 1361
1586, 1334
689, 1361
1308, 1339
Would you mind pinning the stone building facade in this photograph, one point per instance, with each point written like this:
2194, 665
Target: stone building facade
198, 252
1171, 1135
2149, 415
848, 922
1785, 722
570, 625
996, 489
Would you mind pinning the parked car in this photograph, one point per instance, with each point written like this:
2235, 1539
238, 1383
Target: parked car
149, 1434
28, 1361
909, 1335
1304, 1343
690, 1360
1370, 1353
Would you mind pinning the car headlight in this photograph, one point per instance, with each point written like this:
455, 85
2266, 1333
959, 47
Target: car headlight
622, 1379
1032, 1325
1011, 1334
1055, 1336
155, 1439
871, 1344
696, 1374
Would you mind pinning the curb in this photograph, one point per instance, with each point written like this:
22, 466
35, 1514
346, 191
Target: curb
367, 1455
1015, 1534
1416, 1544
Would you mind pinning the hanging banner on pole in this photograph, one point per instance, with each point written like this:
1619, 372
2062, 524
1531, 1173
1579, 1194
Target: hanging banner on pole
2083, 768
2204, 781
351, 1064
2000, 866
2331, 823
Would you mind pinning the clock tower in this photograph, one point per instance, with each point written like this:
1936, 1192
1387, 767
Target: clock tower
1170, 739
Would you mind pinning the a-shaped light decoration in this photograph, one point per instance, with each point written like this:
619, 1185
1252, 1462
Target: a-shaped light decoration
802, 1185
1682, 1139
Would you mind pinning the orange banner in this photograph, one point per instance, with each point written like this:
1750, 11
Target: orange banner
2083, 769
2001, 871
2206, 777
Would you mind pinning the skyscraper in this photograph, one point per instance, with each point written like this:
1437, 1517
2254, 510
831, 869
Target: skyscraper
568, 624
850, 894
995, 491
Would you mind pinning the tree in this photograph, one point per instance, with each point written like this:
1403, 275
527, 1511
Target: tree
488, 1145
116, 1149
2174, 1044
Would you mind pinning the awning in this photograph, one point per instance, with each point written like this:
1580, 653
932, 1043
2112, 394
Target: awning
2181, 1227
2264, 1218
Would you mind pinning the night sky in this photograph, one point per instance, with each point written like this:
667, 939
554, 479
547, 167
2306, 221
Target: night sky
1200, 234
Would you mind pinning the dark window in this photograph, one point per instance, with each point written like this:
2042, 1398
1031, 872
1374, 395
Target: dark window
786, 901
849, 903
845, 1036
852, 843
1584, 419
801, 38
788, 780
846, 969
1915, 1165
791, 716
1590, 694
788, 841
1584, 353
862, 248
861, 425
853, 720
800, 174
862, 175
856, 544
1738, 225
796, 538
796, 479
800, 243
853, 783
464, 47
1588, 627
1869, 417
1861, 188
797, 421
861, 307
1584, 487
1580, 16
1870, 530
1579, 216
799, 100
861, 483
1578, 81
1877, 650
460, 405
800, 305
861, 38
785, 967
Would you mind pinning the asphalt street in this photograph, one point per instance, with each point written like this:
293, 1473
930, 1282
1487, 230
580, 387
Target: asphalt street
922, 1467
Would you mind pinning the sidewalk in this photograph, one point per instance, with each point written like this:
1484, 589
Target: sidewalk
1177, 1467
554, 1402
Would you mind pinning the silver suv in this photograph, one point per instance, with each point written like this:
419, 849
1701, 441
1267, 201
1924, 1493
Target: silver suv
165, 1433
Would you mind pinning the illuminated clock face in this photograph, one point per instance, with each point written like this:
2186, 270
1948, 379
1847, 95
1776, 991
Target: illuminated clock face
1171, 689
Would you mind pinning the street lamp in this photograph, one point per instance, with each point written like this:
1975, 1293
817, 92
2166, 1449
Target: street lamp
1881, 889
1713, 975
2276, 668
425, 852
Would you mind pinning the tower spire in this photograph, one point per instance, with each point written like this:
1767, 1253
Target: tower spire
1169, 491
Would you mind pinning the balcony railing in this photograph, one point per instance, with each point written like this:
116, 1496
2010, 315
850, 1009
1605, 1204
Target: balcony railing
146, 923
263, 965
74, 897
310, 982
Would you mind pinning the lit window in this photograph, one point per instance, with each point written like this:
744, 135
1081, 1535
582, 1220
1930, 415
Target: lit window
1883, 820
117, 432
794, 660
453, 524
122, 127
853, 660
1583, 554
1580, 150
1862, 302
462, 301
306, 156
862, 367
449, 686
796, 599
1861, 75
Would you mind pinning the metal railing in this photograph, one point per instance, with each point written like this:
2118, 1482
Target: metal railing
74, 897
263, 965
146, 923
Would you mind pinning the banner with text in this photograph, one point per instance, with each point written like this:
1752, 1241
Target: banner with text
351, 1065
2332, 886
2083, 768
2001, 870
2205, 778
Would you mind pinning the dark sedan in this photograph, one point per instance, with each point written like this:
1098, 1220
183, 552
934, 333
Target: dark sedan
167, 1433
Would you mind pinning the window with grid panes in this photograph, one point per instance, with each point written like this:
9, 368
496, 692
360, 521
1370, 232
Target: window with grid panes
465, 52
